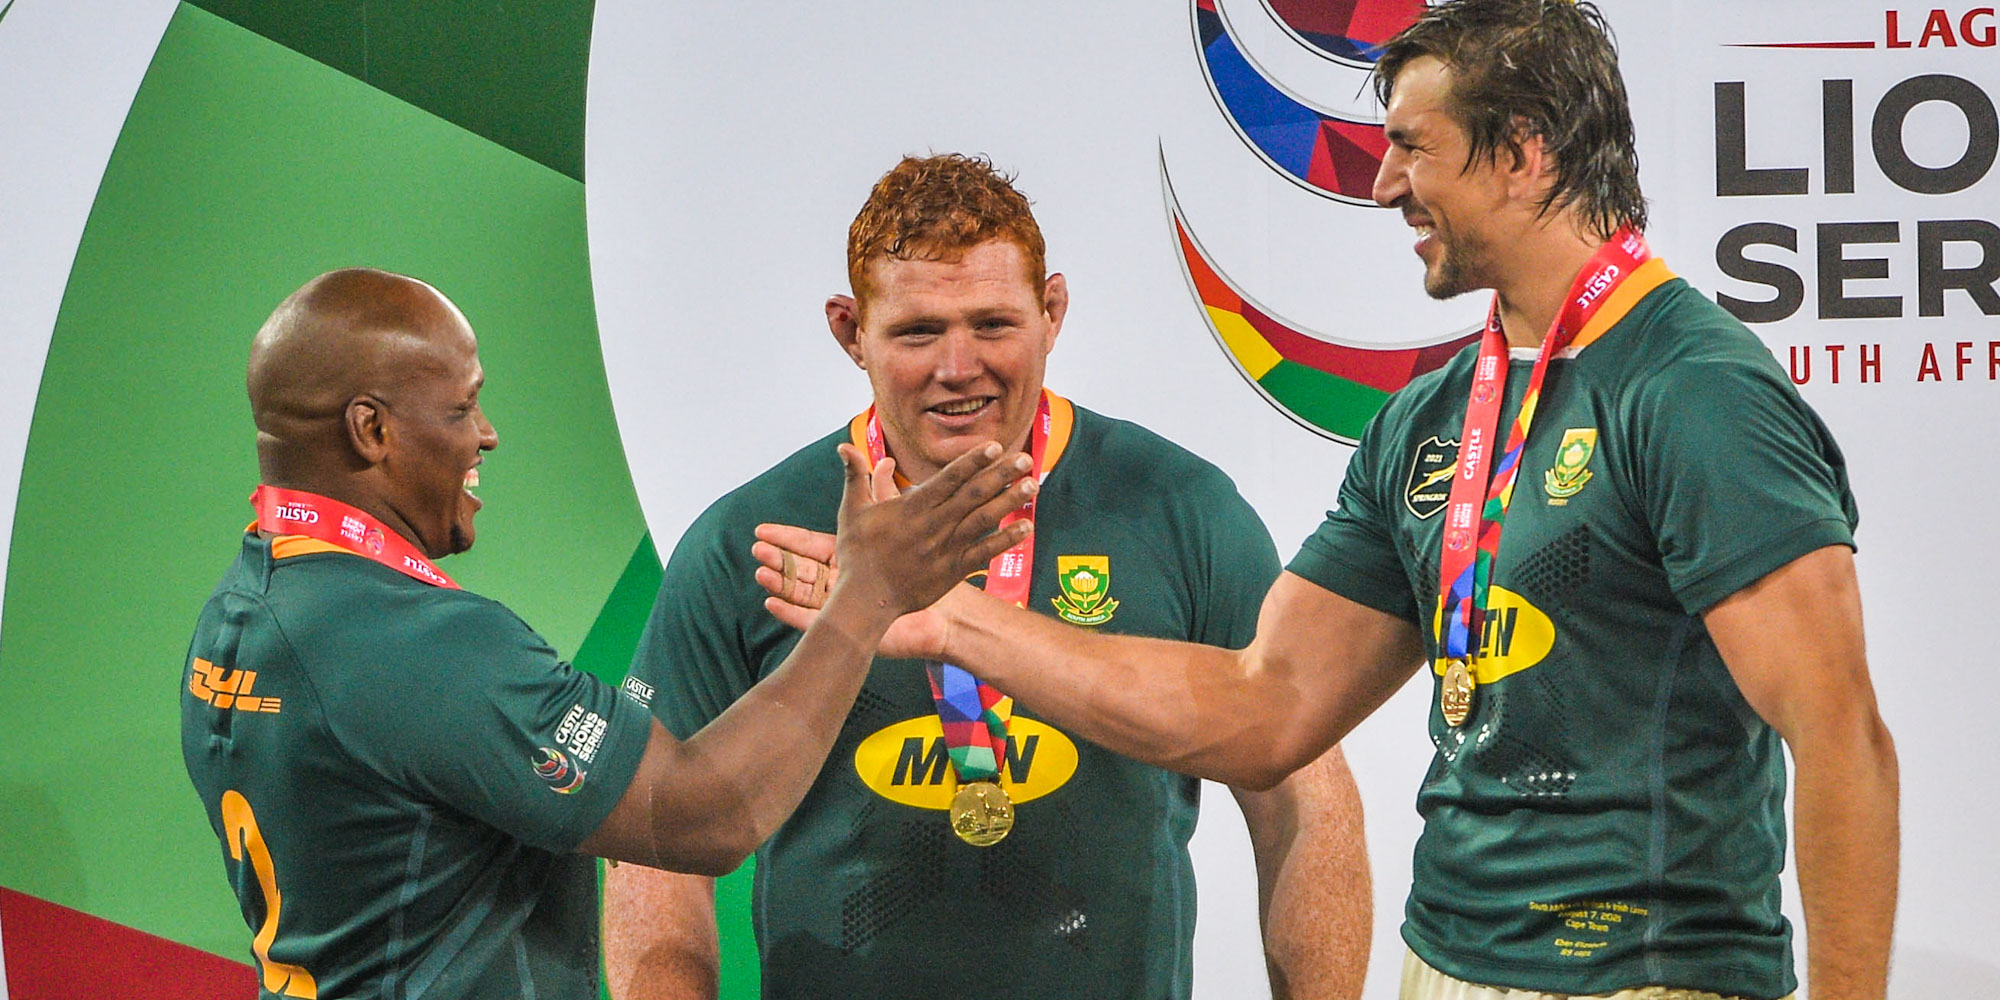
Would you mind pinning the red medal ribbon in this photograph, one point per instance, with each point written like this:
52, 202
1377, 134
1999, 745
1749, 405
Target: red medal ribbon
295, 512
1479, 497
974, 718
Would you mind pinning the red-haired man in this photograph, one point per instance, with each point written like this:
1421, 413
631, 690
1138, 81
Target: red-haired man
957, 845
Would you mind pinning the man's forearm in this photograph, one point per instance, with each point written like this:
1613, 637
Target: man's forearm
703, 805
1319, 665
1314, 896
659, 935
1845, 811
749, 768
1184, 707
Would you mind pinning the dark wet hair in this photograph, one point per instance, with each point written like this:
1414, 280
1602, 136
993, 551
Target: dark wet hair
1535, 68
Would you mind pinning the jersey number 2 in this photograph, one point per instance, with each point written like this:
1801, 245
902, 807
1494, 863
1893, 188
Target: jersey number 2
239, 827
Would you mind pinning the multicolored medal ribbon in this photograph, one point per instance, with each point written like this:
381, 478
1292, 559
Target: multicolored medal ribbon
295, 512
973, 712
1622, 270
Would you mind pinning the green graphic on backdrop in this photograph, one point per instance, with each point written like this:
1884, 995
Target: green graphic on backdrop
243, 169
512, 72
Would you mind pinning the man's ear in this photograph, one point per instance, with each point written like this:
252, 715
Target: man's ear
1055, 303
367, 421
843, 317
1532, 170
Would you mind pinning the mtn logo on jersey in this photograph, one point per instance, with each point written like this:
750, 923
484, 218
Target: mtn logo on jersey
907, 763
226, 688
1086, 590
1567, 478
1428, 490
1517, 636
551, 766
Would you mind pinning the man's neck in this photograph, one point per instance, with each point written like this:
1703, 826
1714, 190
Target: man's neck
360, 498
1532, 296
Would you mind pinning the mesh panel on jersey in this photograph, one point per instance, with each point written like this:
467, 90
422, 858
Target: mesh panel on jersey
1018, 879
863, 815
1559, 570
1528, 767
869, 710
889, 896
1554, 702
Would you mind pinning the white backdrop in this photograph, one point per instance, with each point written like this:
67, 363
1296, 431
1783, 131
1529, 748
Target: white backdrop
729, 146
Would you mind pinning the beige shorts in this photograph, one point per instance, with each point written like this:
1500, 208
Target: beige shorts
1421, 982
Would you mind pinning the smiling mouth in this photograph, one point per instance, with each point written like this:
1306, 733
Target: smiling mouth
962, 407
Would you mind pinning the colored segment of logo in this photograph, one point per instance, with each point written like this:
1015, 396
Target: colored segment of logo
1325, 153
554, 767
1329, 387
908, 763
226, 688
1086, 590
1569, 475
1349, 31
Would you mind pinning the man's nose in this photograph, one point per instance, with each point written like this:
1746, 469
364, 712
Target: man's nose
489, 438
958, 357
1391, 186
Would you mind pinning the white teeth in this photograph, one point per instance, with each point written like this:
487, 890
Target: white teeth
1424, 232
471, 478
960, 408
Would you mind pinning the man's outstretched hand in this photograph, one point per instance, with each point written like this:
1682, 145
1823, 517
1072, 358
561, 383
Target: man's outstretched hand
900, 552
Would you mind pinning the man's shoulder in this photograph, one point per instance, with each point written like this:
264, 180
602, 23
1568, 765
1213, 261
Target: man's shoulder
1682, 346
335, 603
1131, 456
1676, 323
803, 489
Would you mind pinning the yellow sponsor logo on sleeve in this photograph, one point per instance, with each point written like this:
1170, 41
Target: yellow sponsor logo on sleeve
1517, 636
907, 762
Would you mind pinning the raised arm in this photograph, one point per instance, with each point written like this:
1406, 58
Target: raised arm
1793, 642
1319, 665
703, 805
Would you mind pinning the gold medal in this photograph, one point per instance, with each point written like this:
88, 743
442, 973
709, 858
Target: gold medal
1455, 695
981, 814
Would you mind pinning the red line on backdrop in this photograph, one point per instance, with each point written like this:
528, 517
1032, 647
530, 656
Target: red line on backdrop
1801, 45
56, 953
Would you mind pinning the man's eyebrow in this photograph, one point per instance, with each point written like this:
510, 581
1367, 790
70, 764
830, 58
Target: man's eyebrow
916, 323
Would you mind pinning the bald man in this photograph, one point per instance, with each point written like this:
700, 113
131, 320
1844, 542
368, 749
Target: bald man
405, 779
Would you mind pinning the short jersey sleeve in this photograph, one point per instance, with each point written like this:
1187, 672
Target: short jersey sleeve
1738, 475
1237, 563
481, 716
1353, 553
692, 652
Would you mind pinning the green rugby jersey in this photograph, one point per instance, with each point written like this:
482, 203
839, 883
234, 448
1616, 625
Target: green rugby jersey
865, 891
398, 774
1611, 813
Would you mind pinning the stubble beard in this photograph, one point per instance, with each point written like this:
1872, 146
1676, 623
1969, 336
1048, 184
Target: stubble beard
1458, 269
